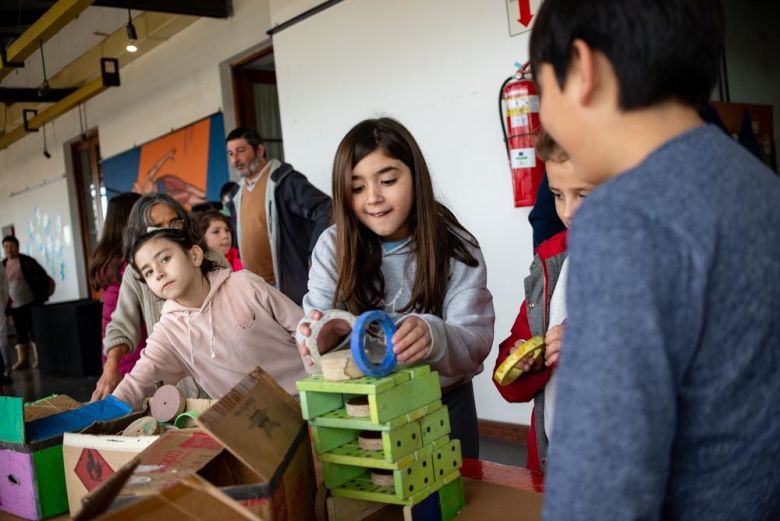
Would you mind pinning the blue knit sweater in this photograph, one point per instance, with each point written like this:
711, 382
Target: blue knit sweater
668, 400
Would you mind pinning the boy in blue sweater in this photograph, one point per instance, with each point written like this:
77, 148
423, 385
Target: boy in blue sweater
668, 401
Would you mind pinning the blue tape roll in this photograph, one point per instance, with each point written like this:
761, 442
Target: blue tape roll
357, 342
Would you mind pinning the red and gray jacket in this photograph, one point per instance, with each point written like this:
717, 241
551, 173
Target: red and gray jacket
533, 320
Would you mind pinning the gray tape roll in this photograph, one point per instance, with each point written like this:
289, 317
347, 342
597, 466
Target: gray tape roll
316, 327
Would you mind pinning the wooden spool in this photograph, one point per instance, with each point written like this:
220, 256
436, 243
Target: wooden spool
146, 426
167, 403
382, 478
357, 407
370, 440
316, 327
339, 365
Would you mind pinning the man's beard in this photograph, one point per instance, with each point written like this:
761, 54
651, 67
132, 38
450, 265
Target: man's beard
252, 168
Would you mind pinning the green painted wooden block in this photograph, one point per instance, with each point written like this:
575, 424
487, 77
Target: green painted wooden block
327, 439
435, 425
365, 385
447, 459
352, 454
336, 475
404, 398
414, 478
341, 420
362, 488
452, 499
315, 404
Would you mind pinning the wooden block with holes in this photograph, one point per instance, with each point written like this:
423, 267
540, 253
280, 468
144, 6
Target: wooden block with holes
384, 440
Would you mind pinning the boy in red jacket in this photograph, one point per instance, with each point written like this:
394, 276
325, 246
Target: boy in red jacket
544, 309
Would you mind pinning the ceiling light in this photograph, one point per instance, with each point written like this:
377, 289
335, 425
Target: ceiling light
132, 36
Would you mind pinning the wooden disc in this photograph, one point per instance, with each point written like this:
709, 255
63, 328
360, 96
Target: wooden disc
357, 407
382, 478
370, 440
146, 426
167, 403
339, 365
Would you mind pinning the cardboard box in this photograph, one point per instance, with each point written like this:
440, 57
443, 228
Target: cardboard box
33, 484
95, 454
253, 444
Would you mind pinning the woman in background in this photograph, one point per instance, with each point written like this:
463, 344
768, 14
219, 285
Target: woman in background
108, 265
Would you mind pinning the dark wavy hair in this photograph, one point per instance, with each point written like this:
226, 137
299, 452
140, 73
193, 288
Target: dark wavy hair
437, 235
107, 258
180, 238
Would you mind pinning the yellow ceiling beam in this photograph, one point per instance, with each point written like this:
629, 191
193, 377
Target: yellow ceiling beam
54, 19
67, 103
153, 29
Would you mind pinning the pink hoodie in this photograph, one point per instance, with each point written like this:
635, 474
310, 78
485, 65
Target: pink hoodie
243, 323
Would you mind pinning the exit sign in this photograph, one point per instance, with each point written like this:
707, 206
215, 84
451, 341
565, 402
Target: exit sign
521, 15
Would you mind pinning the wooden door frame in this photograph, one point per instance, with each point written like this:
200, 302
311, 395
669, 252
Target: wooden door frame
91, 141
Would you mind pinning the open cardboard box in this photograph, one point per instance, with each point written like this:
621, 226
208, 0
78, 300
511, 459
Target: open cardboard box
253, 444
96, 453
32, 482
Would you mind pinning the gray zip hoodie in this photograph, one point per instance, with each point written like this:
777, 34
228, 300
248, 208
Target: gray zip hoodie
462, 337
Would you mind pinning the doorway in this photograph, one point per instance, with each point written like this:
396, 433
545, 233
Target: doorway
91, 196
257, 99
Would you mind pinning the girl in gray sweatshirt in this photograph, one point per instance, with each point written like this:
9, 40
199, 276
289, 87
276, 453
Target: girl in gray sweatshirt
394, 247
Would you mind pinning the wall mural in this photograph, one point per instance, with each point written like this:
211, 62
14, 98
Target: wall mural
190, 164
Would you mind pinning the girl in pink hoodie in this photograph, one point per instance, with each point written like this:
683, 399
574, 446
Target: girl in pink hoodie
216, 325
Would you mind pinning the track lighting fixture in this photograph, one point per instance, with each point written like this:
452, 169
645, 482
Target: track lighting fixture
132, 36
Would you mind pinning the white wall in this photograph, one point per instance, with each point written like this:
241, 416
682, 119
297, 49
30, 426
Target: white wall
437, 66
174, 84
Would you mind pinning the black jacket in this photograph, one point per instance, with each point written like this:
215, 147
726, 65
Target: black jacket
35, 276
297, 214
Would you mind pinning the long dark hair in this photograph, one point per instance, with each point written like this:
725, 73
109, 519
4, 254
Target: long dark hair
104, 266
437, 235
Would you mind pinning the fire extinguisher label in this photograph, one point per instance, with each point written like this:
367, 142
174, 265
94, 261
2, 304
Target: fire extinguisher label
523, 157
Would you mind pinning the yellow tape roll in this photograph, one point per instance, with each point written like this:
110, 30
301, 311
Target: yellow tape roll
507, 372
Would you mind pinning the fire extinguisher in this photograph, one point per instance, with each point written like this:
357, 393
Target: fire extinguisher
518, 106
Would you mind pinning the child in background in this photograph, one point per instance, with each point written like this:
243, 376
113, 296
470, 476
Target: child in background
136, 304
216, 326
395, 247
215, 227
544, 309
107, 266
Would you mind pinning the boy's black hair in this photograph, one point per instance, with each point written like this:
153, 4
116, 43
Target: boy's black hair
659, 49
182, 239
10, 238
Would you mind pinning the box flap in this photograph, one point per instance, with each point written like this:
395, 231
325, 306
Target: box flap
48, 406
192, 498
11, 419
257, 421
174, 455
76, 419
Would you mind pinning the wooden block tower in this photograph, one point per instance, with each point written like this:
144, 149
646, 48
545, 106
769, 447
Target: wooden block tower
402, 440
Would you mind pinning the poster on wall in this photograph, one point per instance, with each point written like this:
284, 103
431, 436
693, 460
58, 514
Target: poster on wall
190, 164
